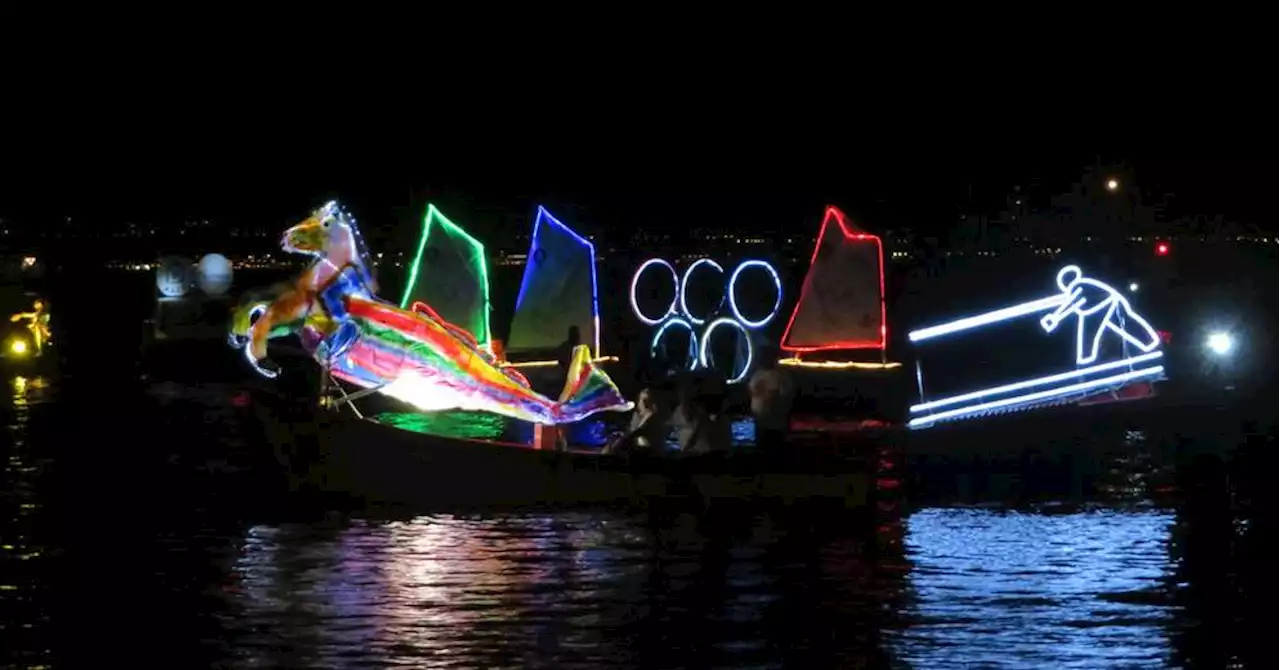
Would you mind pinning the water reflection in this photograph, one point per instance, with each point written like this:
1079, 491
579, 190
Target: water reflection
568, 590
1082, 589
23, 614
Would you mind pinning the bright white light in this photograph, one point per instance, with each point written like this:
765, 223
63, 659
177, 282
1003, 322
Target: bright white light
1112, 184
1133, 287
1220, 343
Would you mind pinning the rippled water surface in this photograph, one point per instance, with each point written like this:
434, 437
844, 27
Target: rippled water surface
165, 553
1085, 589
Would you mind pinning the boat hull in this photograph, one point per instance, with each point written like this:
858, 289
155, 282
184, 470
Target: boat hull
374, 464
852, 393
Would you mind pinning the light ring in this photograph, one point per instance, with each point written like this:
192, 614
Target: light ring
684, 285
704, 358
693, 339
635, 281
733, 301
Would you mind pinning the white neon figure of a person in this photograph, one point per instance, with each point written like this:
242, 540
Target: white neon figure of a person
1098, 308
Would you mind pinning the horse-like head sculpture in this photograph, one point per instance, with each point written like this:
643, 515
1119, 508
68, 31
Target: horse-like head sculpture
331, 235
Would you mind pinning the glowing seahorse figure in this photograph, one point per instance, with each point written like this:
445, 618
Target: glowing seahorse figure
342, 267
1099, 308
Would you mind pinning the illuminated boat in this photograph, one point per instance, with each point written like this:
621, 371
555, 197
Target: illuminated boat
557, 293
415, 357
836, 339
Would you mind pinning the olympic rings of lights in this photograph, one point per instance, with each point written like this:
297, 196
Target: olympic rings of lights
733, 300
693, 339
635, 281
678, 314
684, 286
703, 346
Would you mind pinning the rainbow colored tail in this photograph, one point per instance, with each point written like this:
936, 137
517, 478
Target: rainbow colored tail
588, 389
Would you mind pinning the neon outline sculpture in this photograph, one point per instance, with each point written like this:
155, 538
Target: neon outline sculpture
733, 301
834, 213
635, 280
693, 339
1143, 373
1071, 281
678, 313
1039, 381
479, 258
684, 285
706, 340
529, 270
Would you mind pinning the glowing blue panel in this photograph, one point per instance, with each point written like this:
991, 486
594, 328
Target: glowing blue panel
559, 289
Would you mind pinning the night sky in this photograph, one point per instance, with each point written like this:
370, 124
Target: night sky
620, 179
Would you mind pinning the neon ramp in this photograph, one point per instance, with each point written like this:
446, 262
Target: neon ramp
1103, 346
558, 291
450, 273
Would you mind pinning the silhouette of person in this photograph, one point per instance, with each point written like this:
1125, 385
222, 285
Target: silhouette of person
772, 392
564, 355
1098, 308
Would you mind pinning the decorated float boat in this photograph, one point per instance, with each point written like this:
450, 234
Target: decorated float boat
369, 349
836, 339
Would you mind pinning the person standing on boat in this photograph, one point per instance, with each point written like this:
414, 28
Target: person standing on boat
772, 392
564, 353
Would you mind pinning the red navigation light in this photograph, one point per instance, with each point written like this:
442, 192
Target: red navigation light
1162, 249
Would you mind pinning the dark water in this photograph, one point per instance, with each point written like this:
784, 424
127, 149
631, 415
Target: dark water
141, 529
